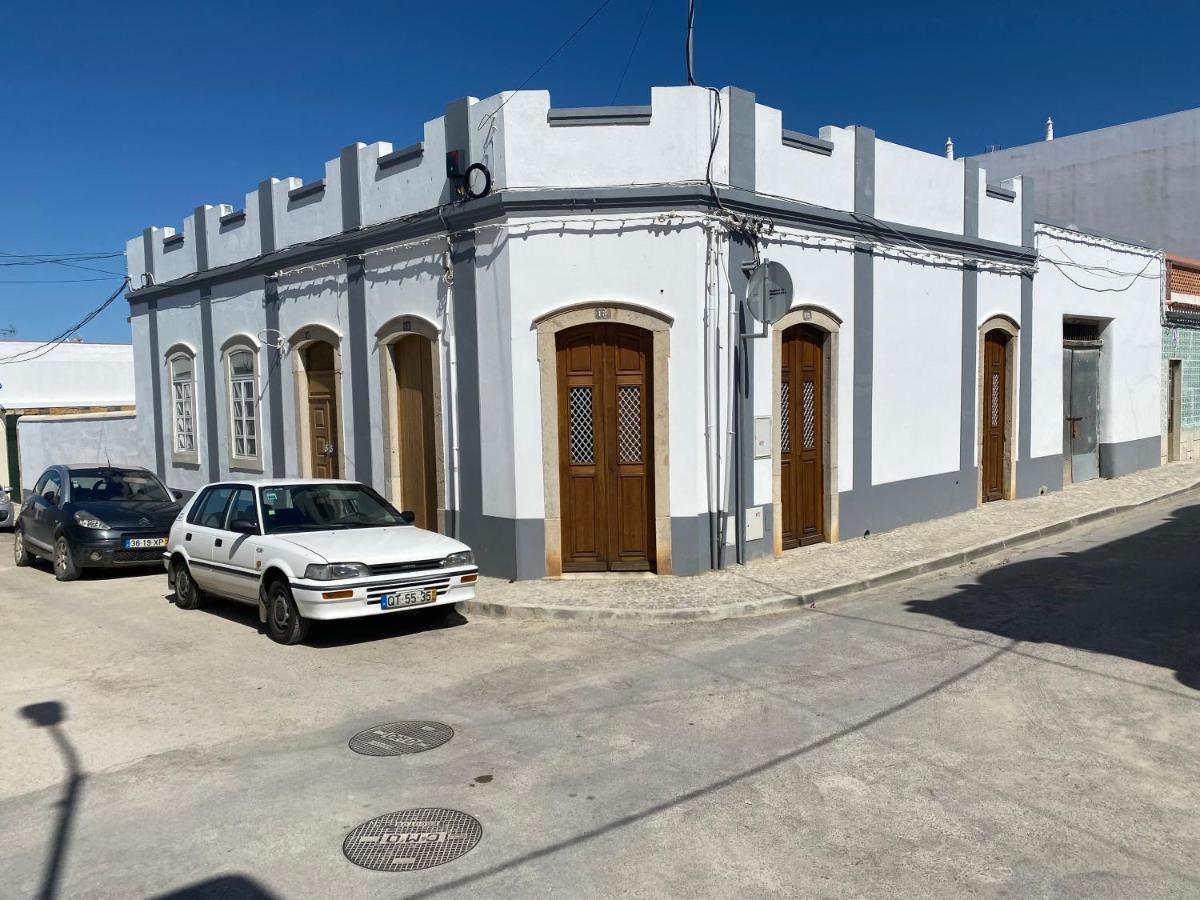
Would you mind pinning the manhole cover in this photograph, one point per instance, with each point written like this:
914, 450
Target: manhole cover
412, 839
397, 738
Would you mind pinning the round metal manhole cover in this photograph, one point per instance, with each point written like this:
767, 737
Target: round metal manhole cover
399, 738
412, 839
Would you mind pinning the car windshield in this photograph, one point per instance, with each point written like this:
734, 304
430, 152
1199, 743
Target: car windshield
126, 485
324, 507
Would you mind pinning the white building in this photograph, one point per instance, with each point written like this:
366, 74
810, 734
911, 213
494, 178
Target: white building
553, 371
71, 377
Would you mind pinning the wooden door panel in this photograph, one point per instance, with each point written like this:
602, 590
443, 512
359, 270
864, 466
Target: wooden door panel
994, 409
604, 447
802, 436
413, 358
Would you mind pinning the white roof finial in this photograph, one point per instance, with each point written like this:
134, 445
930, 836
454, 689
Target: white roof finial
1049, 129
949, 148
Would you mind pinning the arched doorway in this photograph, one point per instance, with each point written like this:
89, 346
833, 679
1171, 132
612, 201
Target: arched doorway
320, 370
412, 362
802, 435
994, 426
606, 453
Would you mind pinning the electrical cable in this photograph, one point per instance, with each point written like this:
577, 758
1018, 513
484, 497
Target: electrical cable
58, 280
599, 9
59, 262
687, 47
62, 337
1113, 290
632, 50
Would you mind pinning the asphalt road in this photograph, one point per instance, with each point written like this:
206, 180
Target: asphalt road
1026, 727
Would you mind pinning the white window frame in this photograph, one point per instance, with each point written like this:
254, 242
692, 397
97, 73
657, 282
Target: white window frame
237, 391
188, 456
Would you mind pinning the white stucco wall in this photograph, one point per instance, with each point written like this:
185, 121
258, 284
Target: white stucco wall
72, 374
918, 188
90, 438
1130, 364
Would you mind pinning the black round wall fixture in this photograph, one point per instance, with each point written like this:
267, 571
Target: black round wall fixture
477, 181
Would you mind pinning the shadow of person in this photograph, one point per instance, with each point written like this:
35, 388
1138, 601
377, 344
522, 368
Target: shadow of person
1135, 598
50, 715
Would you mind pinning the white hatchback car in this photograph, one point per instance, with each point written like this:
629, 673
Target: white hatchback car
304, 549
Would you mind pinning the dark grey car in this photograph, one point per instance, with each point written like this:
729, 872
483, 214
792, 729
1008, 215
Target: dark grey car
83, 516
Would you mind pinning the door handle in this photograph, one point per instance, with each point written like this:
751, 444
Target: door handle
217, 542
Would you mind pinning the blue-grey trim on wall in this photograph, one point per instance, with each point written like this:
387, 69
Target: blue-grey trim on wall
351, 212
970, 362
274, 378
1025, 385
600, 115
690, 552
211, 361
360, 354
996, 192
1028, 213
742, 112
156, 386
807, 142
148, 254
1123, 457
864, 353
200, 229
895, 503
1039, 475
457, 129
403, 155
864, 171
581, 200
514, 549
741, 252
970, 198
306, 190
266, 218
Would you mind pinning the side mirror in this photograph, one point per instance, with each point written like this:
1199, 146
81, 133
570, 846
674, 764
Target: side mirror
177, 494
244, 526
51, 498
408, 517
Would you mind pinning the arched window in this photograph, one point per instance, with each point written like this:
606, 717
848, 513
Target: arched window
181, 368
242, 375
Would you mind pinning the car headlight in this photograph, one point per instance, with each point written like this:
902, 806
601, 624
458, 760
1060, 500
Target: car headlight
334, 571
88, 520
461, 558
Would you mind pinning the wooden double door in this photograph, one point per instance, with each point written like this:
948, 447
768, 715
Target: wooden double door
412, 359
802, 435
605, 449
995, 414
320, 369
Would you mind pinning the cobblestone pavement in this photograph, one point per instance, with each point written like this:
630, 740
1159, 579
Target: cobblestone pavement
852, 564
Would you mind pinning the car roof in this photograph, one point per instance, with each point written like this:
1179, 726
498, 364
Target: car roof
100, 465
283, 482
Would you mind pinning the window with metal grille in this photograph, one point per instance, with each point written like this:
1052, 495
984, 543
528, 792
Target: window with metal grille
995, 399
243, 396
785, 418
629, 423
1081, 330
579, 412
810, 418
183, 401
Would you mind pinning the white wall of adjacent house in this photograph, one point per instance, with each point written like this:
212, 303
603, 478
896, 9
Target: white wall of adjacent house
108, 437
1120, 286
71, 374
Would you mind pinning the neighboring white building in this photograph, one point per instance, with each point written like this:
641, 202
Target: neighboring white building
72, 377
554, 371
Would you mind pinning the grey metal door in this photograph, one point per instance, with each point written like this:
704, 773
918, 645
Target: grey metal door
1081, 410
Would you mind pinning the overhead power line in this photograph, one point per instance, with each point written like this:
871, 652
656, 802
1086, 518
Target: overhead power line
632, 50
59, 260
62, 337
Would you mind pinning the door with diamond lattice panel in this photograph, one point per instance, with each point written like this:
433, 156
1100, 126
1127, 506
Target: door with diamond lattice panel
802, 436
995, 417
605, 453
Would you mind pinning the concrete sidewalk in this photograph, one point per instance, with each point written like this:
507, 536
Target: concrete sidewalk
826, 571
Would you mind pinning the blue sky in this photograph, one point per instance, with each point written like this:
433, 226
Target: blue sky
117, 116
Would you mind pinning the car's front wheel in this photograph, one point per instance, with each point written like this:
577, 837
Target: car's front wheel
187, 595
285, 625
64, 560
21, 554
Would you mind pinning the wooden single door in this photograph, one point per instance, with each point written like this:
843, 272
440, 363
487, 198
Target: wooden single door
995, 413
802, 435
413, 358
605, 451
319, 364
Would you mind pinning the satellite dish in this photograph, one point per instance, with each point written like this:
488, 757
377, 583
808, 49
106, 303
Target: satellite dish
769, 293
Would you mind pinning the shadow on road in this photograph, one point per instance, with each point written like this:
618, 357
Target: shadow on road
344, 632
1135, 598
221, 887
50, 715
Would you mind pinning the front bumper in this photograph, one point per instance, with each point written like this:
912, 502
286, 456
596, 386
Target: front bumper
109, 552
452, 587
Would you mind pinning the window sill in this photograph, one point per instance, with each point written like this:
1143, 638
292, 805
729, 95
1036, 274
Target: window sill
188, 458
246, 465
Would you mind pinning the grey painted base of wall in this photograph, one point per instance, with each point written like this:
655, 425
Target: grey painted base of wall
883, 507
505, 548
691, 552
1130, 456
1039, 475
